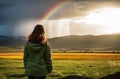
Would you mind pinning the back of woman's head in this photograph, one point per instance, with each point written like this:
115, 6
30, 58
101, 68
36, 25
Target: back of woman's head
38, 35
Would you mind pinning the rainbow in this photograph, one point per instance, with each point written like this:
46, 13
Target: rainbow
52, 11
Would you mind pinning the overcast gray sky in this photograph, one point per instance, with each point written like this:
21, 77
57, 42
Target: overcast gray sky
18, 17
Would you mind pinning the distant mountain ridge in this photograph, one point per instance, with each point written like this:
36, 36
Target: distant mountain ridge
12, 41
87, 42
111, 41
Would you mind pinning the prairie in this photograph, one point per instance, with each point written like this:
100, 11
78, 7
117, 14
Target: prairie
95, 65
14, 69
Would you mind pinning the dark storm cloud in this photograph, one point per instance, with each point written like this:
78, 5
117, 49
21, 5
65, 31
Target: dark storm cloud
24, 9
6, 4
13, 12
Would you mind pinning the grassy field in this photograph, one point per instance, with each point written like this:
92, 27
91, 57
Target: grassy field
13, 68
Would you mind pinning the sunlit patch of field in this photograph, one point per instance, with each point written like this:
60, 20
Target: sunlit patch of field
82, 56
11, 55
86, 56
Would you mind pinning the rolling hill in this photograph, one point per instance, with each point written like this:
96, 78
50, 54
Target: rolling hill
111, 41
86, 42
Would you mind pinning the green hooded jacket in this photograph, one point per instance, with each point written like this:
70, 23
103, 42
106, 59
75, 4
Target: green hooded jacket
37, 59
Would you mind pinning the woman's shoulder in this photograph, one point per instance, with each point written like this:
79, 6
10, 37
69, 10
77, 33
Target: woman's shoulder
47, 43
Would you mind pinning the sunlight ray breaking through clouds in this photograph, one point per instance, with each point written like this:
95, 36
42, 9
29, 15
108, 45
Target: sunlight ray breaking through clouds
107, 18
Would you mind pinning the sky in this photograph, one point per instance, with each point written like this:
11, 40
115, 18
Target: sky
75, 17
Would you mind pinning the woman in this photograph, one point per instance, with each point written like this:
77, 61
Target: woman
37, 55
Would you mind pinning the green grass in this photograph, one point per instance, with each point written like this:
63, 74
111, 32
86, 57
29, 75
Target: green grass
13, 68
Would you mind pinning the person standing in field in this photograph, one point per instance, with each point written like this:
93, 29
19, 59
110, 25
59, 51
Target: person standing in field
37, 55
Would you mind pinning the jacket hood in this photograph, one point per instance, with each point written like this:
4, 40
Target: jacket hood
35, 46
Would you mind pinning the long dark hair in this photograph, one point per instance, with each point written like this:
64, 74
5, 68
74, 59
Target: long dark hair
38, 35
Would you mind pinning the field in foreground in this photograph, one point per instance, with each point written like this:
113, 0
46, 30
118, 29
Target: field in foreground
13, 68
